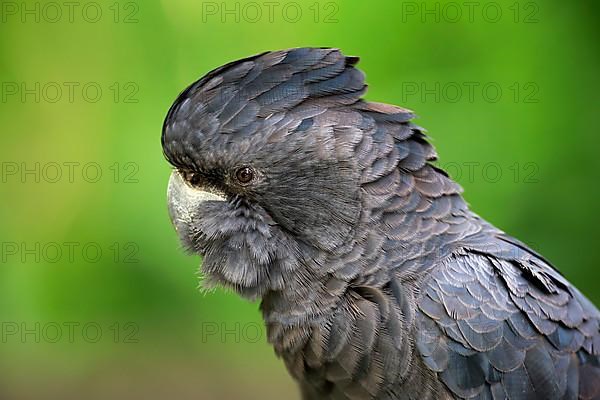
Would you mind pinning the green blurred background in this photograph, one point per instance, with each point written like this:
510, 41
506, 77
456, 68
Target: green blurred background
97, 300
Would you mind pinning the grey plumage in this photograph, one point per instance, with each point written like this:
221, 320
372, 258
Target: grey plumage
376, 281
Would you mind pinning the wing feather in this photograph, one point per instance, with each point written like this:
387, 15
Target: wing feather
490, 332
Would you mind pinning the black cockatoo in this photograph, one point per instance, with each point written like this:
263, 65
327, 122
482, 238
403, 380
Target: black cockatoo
376, 281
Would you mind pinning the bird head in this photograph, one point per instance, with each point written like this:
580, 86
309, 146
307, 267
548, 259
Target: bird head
263, 167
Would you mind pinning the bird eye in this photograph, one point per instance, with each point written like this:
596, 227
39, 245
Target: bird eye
244, 175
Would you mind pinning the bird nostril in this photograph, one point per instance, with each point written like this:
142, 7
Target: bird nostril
195, 179
191, 177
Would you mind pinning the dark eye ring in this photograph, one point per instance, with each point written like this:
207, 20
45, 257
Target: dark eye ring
244, 175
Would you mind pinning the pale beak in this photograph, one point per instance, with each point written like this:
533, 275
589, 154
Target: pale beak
184, 200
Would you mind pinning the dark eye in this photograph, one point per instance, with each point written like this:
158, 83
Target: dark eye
244, 175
